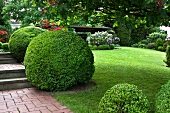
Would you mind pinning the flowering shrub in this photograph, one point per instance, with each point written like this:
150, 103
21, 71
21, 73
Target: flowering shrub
168, 40
103, 38
3, 36
51, 26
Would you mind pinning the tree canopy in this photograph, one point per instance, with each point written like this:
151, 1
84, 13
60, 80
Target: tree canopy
108, 12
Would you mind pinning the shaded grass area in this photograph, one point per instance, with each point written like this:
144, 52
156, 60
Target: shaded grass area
142, 67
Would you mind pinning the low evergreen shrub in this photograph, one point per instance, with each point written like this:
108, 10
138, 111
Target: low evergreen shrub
163, 99
123, 98
57, 60
5, 47
151, 46
20, 39
159, 42
103, 47
160, 48
167, 61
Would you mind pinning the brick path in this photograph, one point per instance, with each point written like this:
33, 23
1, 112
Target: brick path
29, 100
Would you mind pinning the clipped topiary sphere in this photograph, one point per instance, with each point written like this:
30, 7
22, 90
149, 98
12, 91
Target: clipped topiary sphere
123, 98
20, 39
58, 60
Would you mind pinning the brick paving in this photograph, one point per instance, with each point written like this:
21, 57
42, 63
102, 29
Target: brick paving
29, 100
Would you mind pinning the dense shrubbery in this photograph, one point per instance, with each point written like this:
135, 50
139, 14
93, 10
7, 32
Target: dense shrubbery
20, 39
58, 60
155, 40
163, 99
123, 98
167, 61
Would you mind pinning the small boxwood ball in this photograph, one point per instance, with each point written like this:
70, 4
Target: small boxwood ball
123, 98
20, 39
58, 60
163, 99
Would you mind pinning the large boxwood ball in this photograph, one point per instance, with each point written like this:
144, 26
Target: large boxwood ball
123, 98
58, 60
20, 39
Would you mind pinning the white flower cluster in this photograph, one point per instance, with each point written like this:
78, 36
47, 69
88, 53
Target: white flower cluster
100, 38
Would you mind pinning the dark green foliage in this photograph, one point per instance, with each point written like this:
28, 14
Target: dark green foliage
167, 61
2, 27
20, 39
124, 35
5, 47
58, 60
0, 45
163, 99
159, 42
165, 46
123, 98
151, 46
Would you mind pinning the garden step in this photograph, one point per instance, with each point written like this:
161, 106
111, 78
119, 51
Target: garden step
5, 55
12, 76
7, 60
15, 83
17, 73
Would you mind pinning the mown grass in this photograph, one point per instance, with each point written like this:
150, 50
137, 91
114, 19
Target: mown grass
142, 67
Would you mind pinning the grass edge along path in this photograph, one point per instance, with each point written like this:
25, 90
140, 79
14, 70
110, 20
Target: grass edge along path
142, 67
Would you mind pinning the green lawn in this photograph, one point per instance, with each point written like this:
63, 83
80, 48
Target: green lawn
142, 67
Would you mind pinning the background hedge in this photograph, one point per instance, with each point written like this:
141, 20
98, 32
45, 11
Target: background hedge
20, 39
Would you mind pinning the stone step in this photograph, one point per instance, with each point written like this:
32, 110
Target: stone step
5, 55
15, 83
7, 60
12, 76
8, 74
